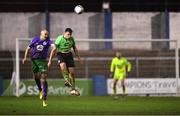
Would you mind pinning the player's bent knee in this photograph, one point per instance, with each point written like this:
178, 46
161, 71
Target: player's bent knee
43, 75
71, 73
62, 66
43, 79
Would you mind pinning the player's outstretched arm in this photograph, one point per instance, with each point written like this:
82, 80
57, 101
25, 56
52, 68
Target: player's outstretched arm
77, 54
25, 54
53, 50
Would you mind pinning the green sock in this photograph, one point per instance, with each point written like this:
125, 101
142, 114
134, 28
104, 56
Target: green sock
123, 89
115, 90
65, 75
72, 80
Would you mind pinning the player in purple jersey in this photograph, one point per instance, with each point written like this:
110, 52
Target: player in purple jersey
39, 47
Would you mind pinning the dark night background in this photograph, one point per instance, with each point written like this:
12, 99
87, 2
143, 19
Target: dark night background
89, 5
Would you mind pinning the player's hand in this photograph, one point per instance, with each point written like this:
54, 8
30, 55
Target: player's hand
81, 61
111, 75
49, 64
24, 60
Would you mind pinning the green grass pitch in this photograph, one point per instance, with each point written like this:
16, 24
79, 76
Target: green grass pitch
90, 105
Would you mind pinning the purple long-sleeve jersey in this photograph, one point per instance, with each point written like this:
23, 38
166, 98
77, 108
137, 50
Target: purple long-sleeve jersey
39, 48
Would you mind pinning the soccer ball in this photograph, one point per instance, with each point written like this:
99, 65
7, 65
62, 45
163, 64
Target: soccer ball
79, 9
74, 92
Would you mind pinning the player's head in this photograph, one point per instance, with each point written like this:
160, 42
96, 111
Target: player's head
68, 33
118, 54
44, 34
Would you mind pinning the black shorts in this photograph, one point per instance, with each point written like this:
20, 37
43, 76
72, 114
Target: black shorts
66, 58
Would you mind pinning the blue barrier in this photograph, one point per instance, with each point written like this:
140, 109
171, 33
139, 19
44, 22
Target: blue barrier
99, 85
1, 85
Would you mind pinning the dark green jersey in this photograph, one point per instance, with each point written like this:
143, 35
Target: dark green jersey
63, 44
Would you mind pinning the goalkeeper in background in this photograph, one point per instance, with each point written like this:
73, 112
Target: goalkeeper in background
63, 44
120, 66
39, 49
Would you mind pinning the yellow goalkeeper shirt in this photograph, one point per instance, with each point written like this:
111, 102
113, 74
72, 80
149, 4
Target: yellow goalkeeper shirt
119, 66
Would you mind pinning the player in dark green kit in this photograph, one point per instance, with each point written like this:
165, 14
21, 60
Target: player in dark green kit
63, 44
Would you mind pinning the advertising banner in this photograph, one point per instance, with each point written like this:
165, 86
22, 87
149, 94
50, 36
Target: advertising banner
55, 87
145, 86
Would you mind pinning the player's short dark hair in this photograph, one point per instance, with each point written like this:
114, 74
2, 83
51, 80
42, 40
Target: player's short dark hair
68, 30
